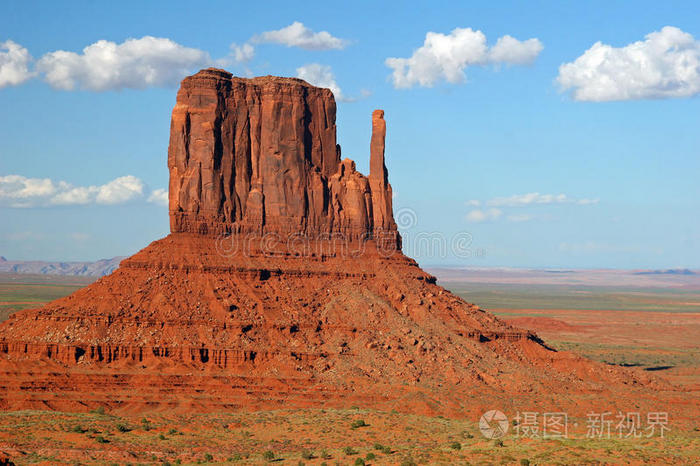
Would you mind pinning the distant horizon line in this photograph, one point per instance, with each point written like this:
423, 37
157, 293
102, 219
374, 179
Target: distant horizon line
669, 269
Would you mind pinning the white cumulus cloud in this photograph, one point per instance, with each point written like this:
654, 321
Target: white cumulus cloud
135, 64
478, 215
120, 190
446, 56
511, 51
321, 76
243, 53
14, 64
159, 196
239, 54
22, 192
298, 35
664, 65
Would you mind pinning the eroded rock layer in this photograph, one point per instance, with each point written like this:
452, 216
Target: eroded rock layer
192, 321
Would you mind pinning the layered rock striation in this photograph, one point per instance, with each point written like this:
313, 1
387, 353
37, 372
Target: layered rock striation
260, 156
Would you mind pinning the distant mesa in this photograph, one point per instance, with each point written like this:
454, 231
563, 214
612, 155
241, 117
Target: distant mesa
667, 272
282, 284
88, 269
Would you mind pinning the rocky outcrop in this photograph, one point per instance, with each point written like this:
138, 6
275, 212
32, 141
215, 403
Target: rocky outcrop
260, 155
383, 217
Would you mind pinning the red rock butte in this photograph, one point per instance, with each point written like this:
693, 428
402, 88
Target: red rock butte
282, 283
260, 156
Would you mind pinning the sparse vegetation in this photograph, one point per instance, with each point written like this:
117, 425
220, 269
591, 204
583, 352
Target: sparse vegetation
146, 424
356, 424
54, 433
455, 445
294, 431
123, 428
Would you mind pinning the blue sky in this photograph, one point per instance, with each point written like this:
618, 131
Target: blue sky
593, 164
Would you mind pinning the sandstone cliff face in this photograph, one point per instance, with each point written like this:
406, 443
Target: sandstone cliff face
260, 155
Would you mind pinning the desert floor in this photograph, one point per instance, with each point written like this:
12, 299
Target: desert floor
647, 329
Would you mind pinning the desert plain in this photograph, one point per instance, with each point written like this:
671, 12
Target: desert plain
653, 328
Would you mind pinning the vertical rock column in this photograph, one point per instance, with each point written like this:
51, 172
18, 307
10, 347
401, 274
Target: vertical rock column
382, 213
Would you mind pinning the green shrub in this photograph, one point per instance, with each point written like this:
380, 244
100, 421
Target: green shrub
101, 439
146, 424
387, 450
358, 423
498, 443
78, 430
325, 455
359, 462
378, 446
349, 451
269, 455
161, 437
370, 456
99, 410
208, 458
172, 432
408, 462
455, 445
307, 454
524, 462
123, 428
